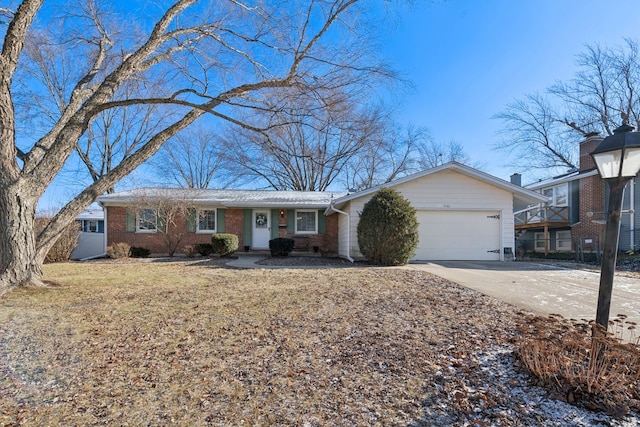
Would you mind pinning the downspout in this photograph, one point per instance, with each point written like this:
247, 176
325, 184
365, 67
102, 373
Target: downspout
348, 230
632, 216
104, 226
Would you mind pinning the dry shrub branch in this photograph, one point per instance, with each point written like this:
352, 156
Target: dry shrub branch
61, 250
581, 363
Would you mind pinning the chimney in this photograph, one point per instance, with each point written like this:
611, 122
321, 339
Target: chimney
516, 179
591, 141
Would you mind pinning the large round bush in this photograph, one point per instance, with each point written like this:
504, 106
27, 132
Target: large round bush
388, 229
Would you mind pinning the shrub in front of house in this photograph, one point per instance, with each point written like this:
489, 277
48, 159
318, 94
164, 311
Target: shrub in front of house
119, 250
204, 249
190, 251
224, 244
281, 246
139, 252
388, 229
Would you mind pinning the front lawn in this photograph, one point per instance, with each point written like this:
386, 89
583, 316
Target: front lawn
193, 343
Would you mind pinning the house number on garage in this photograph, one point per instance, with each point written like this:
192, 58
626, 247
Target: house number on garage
446, 206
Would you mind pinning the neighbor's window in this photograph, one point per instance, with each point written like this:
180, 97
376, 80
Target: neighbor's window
563, 240
90, 226
147, 221
538, 239
561, 195
306, 221
557, 195
206, 221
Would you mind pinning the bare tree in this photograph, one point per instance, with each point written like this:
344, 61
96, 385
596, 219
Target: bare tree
543, 131
392, 152
167, 211
433, 154
309, 142
192, 158
208, 57
536, 136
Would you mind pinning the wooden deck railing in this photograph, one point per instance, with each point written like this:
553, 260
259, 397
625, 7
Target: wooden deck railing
542, 214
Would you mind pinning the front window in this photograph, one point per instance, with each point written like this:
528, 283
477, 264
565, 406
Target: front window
306, 221
147, 221
207, 220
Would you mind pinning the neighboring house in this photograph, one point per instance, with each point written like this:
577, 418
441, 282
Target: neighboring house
464, 214
91, 241
573, 217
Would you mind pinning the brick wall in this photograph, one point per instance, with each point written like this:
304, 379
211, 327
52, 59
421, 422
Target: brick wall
592, 197
327, 242
155, 242
234, 224
591, 202
586, 147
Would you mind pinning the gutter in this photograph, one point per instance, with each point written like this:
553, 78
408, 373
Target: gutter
348, 230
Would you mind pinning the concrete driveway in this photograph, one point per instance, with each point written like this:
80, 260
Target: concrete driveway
541, 288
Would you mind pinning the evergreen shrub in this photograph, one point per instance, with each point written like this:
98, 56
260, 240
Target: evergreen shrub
281, 246
388, 229
224, 244
139, 252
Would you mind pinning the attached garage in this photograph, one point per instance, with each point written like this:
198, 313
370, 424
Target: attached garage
458, 235
463, 214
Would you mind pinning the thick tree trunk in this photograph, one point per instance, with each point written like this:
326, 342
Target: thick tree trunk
19, 263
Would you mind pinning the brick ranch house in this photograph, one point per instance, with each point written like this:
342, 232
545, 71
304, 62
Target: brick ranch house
463, 214
254, 216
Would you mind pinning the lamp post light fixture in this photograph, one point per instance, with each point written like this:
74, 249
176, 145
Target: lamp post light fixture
618, 160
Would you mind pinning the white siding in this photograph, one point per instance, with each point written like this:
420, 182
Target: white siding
447, 190
343, 232
89, 245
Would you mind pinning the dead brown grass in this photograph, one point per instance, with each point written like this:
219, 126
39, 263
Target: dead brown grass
583, 366
191, 343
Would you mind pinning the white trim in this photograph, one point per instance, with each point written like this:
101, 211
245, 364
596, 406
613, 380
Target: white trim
315, 213
501, 235
576, 176
105, 226
331, 207
522, 193
197, 220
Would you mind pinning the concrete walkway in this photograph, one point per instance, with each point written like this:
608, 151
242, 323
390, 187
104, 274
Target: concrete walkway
541, 288
247, 261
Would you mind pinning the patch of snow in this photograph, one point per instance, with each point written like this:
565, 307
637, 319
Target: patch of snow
498, 363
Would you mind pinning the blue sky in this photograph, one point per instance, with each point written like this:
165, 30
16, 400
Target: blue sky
469, 58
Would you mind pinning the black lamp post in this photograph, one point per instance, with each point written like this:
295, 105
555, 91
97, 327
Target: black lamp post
618, 160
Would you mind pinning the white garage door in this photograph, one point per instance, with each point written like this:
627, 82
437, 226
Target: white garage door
458, 235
